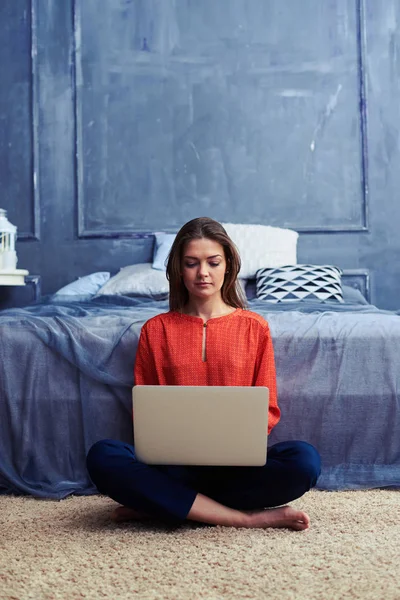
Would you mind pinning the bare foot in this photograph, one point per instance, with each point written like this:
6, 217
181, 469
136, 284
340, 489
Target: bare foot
284, 516
124, 513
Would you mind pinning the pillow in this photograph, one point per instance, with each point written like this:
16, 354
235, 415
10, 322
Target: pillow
84, 287
292, 283
162, 246
262, 246
352, 295
259, 246
251, 292
137, 280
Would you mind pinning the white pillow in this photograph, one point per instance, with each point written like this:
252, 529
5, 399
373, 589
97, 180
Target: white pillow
85, 286
137, 280
162, 246
262, 246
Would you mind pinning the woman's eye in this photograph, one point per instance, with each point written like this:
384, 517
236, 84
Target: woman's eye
212, 264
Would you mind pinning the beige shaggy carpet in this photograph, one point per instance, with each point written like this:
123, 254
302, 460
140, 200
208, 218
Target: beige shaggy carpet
71, 549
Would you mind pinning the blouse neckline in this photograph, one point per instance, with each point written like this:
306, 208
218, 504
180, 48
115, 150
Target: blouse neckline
194, 319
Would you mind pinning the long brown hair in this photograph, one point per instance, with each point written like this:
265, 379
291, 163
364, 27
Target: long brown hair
204, 227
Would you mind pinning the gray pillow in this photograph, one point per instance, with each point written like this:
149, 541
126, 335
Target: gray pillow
137, 280
352, 295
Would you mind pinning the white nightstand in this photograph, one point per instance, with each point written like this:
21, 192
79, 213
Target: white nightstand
16, 277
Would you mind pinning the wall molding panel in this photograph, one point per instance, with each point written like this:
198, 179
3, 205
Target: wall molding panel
362, 106
34, 112
362, 69
84, 228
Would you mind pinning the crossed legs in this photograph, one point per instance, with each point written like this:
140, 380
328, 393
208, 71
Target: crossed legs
230, 496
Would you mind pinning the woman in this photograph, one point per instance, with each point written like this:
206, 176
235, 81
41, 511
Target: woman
207, 338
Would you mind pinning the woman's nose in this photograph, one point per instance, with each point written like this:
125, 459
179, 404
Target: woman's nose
203, 270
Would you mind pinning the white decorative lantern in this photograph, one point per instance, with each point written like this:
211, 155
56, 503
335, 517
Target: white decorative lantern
8, 236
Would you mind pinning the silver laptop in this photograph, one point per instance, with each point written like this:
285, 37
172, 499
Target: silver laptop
200, 425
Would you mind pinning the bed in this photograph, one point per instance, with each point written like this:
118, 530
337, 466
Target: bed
66, 367
66, 373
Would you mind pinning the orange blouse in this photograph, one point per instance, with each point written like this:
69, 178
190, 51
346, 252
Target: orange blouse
238, 351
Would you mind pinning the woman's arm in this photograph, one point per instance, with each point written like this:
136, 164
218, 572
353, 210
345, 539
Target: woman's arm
265, 375
145, 371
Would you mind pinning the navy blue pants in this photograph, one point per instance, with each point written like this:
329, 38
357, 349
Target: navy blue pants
168, 492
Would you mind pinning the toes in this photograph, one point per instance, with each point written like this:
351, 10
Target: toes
300, 526
301, 517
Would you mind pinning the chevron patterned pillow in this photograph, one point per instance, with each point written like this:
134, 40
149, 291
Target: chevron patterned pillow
300, 282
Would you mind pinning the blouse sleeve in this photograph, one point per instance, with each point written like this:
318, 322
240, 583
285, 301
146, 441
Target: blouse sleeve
265, 375
145, 372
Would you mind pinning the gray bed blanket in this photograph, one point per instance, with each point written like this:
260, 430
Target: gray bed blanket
66, 373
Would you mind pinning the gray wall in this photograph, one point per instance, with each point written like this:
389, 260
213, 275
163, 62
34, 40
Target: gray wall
123, 117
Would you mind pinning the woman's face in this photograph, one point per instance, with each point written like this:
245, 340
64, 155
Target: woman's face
203, 267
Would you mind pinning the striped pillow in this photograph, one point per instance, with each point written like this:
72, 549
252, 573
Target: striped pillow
292, 283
